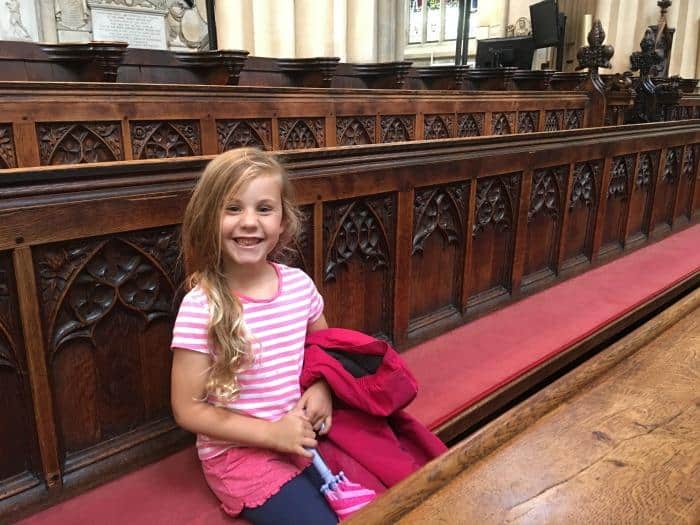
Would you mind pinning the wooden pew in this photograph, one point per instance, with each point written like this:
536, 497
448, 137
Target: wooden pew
458, 228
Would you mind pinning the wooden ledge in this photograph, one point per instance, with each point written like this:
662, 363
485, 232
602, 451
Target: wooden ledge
99, 61
442, 77
384, 75
490, 78
568, 81
310, 72
533, 80
232, 61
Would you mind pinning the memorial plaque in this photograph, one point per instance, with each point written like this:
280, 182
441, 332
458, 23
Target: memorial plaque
140, 29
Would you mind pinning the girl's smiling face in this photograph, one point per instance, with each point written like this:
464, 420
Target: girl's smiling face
251, 223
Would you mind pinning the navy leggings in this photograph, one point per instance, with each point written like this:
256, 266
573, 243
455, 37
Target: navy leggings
299, 502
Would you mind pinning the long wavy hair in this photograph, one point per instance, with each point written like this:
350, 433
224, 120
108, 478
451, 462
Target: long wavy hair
225, 176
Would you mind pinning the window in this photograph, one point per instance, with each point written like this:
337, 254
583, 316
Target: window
433, 20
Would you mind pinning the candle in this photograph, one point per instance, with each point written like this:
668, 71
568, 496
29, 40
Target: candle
585, 29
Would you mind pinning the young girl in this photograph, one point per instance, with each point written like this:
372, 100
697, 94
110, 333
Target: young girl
238, 345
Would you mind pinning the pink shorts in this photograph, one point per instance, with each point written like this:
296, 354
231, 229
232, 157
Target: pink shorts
248, 477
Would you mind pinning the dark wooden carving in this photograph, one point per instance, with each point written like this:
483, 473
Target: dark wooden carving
470, 124
688, 185
442, 77
351, 131
527, 121
300, 253
490, 78
573, 119
210, 63
442, 211
616, 208
439, 209
503, 123
384, 75
78, 143
302, 133
159, 140
581, 209
553, 120
493, 235
568, 81
533, 80
97, 61
398, 128
309, 72
595, 55
438, 126
672, 166
254, 133
620, 177
546, 195
17, 442
358, 263
7, 147
665, 192
583, 186
640, 198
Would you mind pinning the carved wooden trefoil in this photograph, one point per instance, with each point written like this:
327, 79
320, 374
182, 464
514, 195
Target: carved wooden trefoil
438, 126
495, 201
439, 209
358, 228
8, 159
502, 123
161, 140
583, 189
78, 143
527, 121
302, 133
397, 128
470, 125
253, 133
546, 193
351, 131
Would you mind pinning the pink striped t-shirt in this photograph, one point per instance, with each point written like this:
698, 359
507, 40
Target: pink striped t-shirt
277, 330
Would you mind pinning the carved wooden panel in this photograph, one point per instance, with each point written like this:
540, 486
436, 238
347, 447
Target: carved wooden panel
527, 121
553, 120
685, 183
493, 235
358, 241
79, 142
8, 158
544, 223
502, 123
666, 188
581, 209
302, 133
470, 124
640, 196
438, 126
617, 197
254, 133
97, 294
300, 253
351, 131
398, 128
17, 439
439, 221
165, 139
573, 119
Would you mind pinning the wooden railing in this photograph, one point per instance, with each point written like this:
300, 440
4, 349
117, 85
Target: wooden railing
403, 240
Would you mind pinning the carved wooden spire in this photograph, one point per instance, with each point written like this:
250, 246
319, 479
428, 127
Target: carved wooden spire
595, 55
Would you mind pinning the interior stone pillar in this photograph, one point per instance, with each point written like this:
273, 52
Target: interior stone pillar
362, 30
387, 24
685, 19
313, 28
234, 24
273, 28
340, 29
47, 17
494, 14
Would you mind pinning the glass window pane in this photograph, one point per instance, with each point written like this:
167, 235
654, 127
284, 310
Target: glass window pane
433, 16
415, 21
451, 19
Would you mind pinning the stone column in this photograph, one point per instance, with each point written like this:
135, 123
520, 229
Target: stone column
340, 29
234, 24
684, 53
273, 28
313, 28
362, 30
47, 16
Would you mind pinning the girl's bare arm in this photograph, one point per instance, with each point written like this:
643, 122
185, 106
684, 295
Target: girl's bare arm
293, 433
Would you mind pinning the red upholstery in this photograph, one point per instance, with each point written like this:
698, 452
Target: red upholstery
454, 371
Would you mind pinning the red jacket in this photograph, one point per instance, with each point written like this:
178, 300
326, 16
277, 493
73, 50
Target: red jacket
372, 439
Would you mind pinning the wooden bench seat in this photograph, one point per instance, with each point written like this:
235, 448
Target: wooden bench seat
458, 372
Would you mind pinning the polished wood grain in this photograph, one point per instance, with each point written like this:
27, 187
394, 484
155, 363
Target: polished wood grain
615, 441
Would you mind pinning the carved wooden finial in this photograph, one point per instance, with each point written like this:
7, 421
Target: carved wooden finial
595, 55
644, 60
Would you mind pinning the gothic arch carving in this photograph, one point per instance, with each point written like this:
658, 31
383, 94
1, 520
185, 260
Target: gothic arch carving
439, 209
301, 133
244, 133
351, 131
503, 123
495, 201
573, 118
397, 128
358, 228
470, 125
7, 147
438, 126
620, 176
553, 120
584, 185
646, 169
78, 143
527, 121
672, 165
546, 193
160, 140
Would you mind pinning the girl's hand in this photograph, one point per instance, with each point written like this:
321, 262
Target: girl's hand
317, 404
293, 434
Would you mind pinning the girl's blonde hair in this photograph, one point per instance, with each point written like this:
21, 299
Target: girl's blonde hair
226, 175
